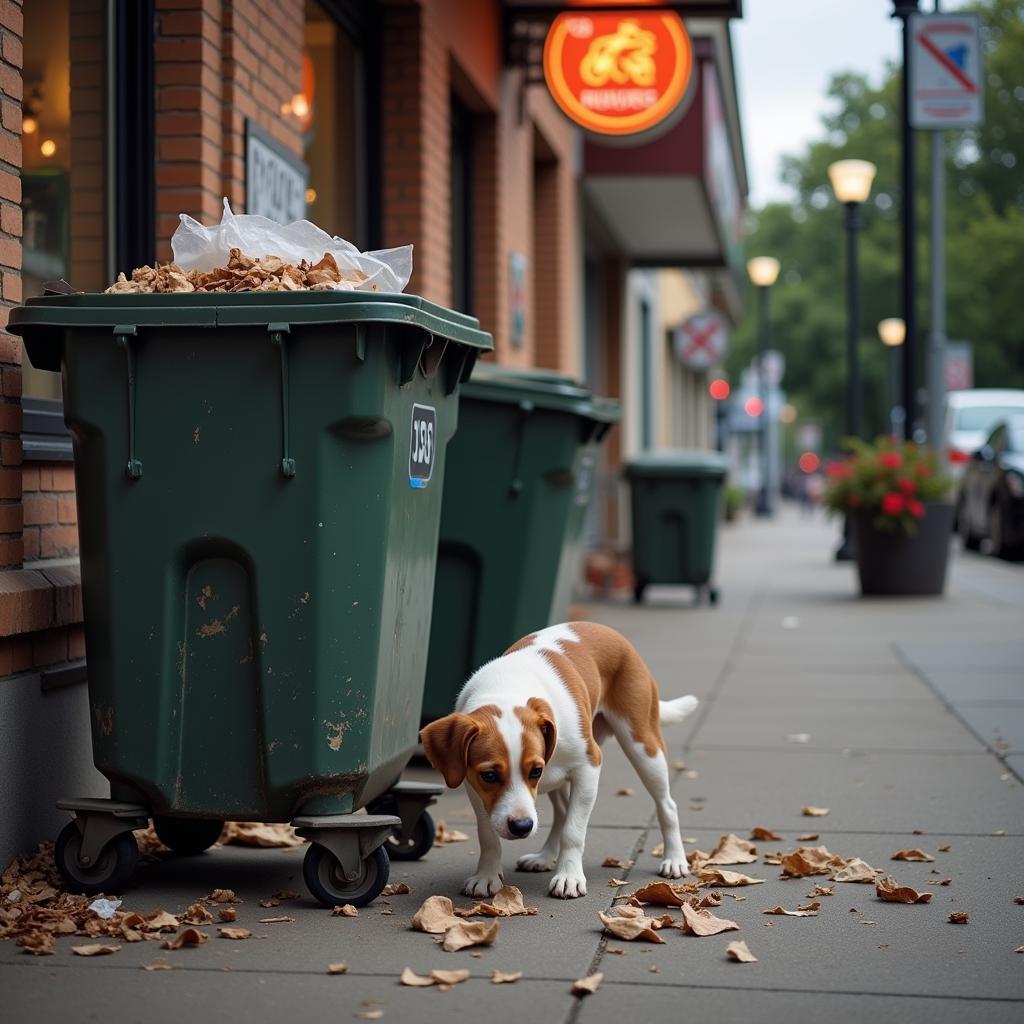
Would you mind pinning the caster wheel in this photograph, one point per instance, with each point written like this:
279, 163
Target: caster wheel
112, 871
187, 836
713, 595
325, 881
638, 593
422, 838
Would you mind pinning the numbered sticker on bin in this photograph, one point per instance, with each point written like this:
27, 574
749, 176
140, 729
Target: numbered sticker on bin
421, 445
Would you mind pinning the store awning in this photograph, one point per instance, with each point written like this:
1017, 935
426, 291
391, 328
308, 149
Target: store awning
678, 199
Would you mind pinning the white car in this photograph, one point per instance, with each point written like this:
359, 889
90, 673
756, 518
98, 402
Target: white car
970, 417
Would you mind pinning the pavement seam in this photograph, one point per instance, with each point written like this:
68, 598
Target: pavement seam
952, 709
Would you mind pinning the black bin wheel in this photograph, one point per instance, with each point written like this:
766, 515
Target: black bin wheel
419, 843
325, 881
112, 871
187, 836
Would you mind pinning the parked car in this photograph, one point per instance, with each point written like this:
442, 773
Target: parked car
992, 493
971, 415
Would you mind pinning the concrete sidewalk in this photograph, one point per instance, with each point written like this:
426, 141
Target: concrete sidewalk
904, 717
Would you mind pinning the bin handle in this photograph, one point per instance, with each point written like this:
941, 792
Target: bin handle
515, 487
123, 333
277, 333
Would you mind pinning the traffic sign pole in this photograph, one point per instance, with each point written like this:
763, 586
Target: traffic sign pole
937, 335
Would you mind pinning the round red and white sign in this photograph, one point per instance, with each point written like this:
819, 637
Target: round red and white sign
702, 341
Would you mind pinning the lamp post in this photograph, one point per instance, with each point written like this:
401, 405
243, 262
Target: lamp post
893, 331
763, 271
851, 182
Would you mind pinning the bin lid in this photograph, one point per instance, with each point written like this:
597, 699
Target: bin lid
546, 389
232, 309
678, 462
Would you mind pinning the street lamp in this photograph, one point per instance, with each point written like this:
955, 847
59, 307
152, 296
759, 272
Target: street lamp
893, 331
763, 271
851, 182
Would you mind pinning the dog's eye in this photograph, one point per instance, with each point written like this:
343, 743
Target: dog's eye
489, 776
536, 773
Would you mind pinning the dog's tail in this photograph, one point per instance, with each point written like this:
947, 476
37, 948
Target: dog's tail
674, 711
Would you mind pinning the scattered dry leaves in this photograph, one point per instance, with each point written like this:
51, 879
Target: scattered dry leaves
227, 914
160, 965
856, 870
702, 922
94, 950
959, 917
469, 933
740, 952
890, 891
444, 835
814, 812
810, 860
436, 915
913, 855
266, 835
624, 791
282, 919
613, 862
732, 850
945, 848
345, 910
588, 985
810, 911
719, 876
338, 968
396, 889
222, 896
506, 902
235, 933
661, 893
196, 913
189, 937
808, 837
505, 977
765, 835
631, 924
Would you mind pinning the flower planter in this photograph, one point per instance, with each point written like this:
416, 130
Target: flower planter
890, 562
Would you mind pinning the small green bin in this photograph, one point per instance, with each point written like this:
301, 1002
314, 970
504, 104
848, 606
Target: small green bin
675, 505
259, 481
520, 476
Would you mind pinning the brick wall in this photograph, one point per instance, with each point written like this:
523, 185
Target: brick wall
219, 62
51, 512
87, 269
10, 282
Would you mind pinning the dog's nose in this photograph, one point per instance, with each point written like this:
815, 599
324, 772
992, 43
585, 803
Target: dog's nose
520, 827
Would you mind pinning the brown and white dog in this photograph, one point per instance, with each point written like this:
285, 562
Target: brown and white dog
533, 721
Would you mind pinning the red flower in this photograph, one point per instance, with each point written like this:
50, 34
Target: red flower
893, 503
922, 469
854, 501
915, 508
907, 485
890, 460
839, 470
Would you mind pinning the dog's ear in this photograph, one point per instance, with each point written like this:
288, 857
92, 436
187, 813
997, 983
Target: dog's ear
446, 744
546, 724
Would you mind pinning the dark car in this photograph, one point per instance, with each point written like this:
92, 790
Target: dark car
992, 495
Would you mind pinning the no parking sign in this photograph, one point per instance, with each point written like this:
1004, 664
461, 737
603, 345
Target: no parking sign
702, 341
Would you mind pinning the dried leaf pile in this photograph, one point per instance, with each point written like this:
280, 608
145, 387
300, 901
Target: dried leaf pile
242, 274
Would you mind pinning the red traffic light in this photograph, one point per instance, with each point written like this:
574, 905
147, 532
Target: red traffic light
753, 407
719, 389
809, 462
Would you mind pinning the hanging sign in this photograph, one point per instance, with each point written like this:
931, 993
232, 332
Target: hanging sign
617, 72
702, 341
946, 89
275, 180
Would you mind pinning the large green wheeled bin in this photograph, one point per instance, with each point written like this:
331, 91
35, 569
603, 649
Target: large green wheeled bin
676, 497
259, 482
520, 475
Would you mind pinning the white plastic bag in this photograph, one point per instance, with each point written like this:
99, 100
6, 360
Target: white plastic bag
197, 247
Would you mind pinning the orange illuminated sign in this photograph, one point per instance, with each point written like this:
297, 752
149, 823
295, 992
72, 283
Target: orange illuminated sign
617, 72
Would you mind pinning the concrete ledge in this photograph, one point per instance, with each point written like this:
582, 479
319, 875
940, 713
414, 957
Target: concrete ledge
35, 599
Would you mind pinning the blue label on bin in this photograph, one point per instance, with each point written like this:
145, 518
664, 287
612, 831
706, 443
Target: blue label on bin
421, 445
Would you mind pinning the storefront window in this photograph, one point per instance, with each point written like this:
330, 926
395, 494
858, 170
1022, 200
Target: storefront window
330, 108
63, 179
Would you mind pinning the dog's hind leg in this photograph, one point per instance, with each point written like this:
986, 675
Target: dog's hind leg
544, 859
654, 774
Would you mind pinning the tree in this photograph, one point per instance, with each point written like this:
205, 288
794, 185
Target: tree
984, 237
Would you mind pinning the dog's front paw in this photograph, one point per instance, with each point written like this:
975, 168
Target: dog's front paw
534, 862
482, 885
673, 868
568, 885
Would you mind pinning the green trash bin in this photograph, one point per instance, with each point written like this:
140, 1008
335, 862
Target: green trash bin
520, 475
675, 505
259, 481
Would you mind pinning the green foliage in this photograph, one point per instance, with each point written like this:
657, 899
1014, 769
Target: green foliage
984, 238
734, 500
890, 479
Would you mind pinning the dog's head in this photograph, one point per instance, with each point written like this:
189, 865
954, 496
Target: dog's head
501, 754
